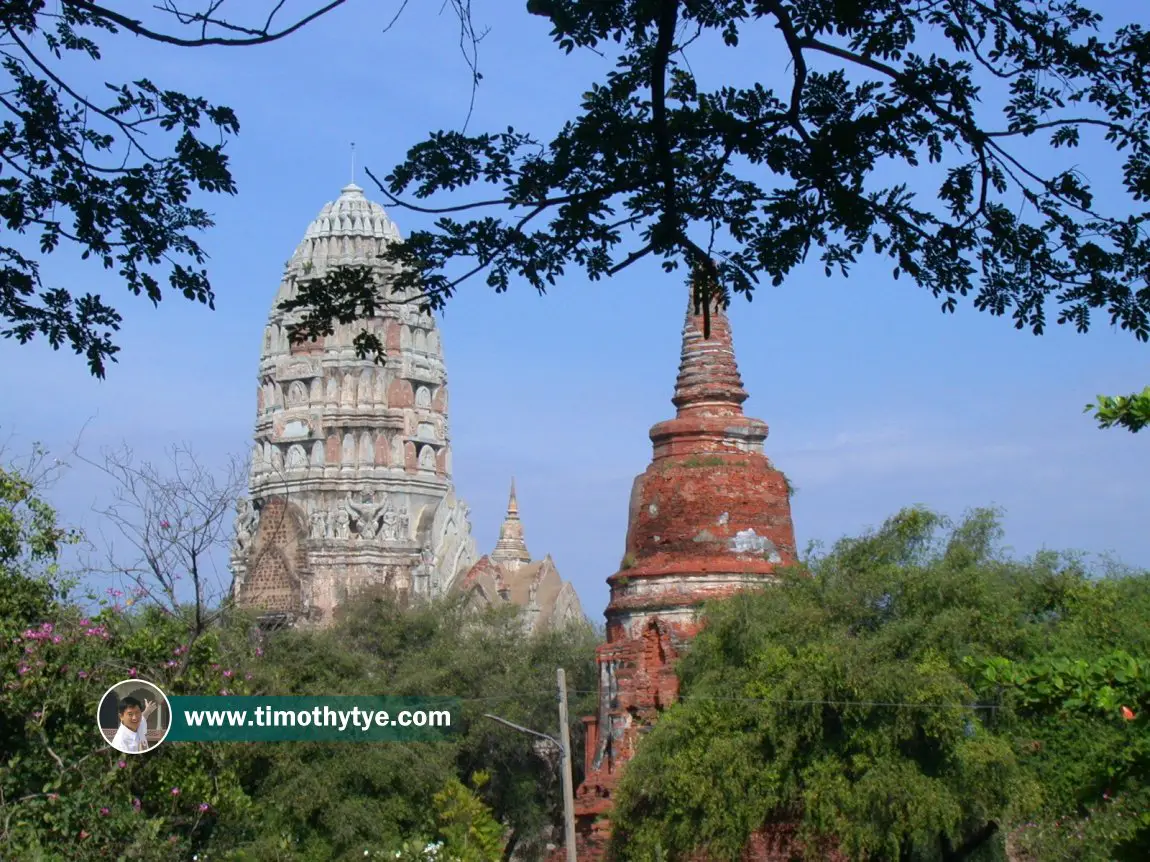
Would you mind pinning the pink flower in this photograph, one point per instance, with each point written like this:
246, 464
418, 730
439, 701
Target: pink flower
82, 674
259, 651
53, 796
131, 672
1128, 713
104, 812
122, 764
228, 674
57, 639
205, 807
83, 834
85, 622
172, 663
175, 791
23, 669
247, 676
37, 715
223, 691
136, 804
164, 525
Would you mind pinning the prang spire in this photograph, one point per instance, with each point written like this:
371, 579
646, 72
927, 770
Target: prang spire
709, 378
511, 549
512, 503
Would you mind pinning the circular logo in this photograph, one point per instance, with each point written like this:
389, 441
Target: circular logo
134, 716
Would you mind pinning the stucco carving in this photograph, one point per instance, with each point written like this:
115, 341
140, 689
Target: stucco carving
351, 424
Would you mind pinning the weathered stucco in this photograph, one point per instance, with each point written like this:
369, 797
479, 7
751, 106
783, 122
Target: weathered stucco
508, 575
350, 481
710, 516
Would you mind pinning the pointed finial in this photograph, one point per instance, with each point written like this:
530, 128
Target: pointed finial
353, 162
512, 502
511, 549
708, 375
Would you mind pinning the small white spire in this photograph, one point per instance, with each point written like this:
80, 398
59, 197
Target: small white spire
353, 163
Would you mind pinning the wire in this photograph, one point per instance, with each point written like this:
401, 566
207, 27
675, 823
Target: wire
720, 698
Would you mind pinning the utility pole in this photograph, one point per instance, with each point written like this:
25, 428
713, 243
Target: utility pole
564, 746
568, 788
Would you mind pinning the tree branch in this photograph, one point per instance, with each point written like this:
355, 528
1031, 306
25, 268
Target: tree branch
136, 26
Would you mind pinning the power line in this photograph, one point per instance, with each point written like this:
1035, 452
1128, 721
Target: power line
782, 701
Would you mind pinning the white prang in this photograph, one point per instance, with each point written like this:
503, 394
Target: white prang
350, 482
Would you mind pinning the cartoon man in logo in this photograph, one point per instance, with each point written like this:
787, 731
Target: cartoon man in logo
132, 735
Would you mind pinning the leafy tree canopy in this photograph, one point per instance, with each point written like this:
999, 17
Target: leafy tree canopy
1131, 412
886, 135
64, 794
30, 543
851, 703
112, 176
336, 800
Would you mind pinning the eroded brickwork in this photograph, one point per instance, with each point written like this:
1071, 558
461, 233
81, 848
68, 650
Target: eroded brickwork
710, 517
278, 559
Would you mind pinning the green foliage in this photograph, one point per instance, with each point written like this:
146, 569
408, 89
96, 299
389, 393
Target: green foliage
467, 828
739, 181
1131, 412
66, 795
336, 800
853, 700
110, 176
1080, 722
30, 541
708, 461
469, 831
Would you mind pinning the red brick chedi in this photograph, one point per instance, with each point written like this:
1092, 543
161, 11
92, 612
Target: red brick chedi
709, 517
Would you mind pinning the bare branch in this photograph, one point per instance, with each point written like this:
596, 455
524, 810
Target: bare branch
255, 37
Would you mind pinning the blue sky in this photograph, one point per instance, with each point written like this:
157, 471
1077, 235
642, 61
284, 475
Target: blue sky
875, 399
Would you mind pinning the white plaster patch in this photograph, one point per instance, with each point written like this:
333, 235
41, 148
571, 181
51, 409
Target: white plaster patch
652, 510
749, 542
723, 518
296, 428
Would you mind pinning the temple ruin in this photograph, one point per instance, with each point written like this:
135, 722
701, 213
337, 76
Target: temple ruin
350, 483
351, 471
508, 575
710, 516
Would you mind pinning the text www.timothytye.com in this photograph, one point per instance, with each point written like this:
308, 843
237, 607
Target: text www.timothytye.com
331, 718
319, 716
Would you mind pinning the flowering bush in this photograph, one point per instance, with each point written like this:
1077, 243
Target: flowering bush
65, 792
64, 783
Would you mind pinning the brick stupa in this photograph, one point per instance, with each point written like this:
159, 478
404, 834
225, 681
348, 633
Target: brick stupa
710, 516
